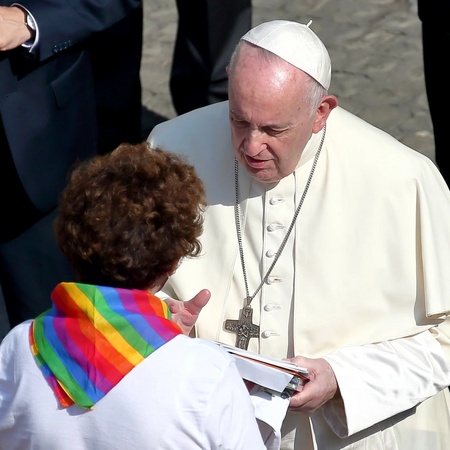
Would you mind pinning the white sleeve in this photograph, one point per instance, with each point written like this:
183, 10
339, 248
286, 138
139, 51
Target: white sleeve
231, 423
386, 378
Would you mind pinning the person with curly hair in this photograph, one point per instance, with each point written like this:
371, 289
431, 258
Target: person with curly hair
127, 219
108, 366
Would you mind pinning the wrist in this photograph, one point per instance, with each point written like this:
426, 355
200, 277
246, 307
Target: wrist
29, 23
15, 14
21, 16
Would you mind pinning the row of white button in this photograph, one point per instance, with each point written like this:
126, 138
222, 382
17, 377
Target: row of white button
270, 254
268, 333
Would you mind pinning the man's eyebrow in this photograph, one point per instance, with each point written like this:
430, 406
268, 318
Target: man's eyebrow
275, 126
279, 126
236, 114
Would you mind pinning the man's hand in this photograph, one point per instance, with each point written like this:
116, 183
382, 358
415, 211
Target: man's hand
185, 314
321, 387
13, 29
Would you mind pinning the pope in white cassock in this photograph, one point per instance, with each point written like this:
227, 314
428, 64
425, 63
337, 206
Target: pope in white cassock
326, 238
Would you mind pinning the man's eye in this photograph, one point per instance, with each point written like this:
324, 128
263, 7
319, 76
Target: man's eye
274, 131
240, 123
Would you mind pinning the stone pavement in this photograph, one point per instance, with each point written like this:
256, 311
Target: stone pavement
376, 52
375, 48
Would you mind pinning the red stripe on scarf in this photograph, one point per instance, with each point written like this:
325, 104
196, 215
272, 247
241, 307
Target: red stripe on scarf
100, 343
149, 304
89, 350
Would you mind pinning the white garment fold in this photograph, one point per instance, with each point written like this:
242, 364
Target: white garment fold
387, 378
367, 275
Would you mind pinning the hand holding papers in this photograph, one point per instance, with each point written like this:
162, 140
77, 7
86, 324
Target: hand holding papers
273, 374
275, 381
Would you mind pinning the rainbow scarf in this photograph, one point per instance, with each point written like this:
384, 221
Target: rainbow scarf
94, 335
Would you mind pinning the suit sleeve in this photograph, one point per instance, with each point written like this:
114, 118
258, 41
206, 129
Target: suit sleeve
66, 23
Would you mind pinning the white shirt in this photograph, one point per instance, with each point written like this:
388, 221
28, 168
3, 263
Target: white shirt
186, 395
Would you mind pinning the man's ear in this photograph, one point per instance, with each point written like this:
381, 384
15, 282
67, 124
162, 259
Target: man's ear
228, 69
174, 267
329, 102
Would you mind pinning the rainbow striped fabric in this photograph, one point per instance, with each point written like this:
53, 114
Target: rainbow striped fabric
94, 335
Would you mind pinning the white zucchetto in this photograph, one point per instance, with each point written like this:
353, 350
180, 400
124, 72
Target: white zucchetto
295, 43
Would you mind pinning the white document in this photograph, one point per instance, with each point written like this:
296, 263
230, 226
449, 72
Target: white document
270, 411
271, 373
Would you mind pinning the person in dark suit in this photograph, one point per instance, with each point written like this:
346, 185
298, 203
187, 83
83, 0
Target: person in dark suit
434, 15
48, 120
208, 32
116, 62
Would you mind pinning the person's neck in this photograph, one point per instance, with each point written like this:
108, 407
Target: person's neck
158, 285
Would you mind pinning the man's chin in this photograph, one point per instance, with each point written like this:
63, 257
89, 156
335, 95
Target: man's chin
263, 175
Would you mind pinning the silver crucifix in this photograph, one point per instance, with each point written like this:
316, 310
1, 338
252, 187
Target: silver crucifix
244, 328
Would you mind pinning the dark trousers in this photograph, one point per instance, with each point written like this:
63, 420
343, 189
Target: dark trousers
436, 40
208, 32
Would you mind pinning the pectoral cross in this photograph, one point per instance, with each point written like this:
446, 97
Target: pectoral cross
244, 328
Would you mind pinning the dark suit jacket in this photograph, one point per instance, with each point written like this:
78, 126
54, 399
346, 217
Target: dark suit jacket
47, 103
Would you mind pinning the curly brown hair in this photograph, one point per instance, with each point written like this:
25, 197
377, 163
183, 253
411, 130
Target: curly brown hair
127, 217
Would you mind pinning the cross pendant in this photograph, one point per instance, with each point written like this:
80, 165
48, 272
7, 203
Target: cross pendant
244, 328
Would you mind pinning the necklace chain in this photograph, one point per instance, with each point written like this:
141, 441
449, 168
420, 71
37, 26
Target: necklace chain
237, 214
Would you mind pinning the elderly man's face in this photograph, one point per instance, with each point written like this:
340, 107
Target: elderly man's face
270, 124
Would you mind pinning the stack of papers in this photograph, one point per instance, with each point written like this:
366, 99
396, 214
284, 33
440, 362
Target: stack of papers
274, 383
273, 374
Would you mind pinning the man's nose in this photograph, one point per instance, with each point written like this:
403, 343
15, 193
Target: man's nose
254, 142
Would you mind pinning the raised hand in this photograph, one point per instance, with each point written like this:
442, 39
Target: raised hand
185, 314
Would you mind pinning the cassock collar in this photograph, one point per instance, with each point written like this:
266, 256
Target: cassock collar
310, 149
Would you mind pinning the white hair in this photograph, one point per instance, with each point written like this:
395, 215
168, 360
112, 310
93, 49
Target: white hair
314, 91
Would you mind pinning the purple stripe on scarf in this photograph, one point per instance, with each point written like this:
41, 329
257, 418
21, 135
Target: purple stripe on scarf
80, 359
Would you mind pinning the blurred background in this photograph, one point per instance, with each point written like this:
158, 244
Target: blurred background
375, 48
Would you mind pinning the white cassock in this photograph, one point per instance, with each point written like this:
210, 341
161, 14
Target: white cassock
364, 280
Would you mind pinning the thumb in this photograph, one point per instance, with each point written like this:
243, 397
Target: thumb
196, 304
299, 360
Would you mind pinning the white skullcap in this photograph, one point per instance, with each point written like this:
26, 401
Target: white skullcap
295, 43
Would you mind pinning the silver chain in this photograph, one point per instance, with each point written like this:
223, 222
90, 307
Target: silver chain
237, 214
